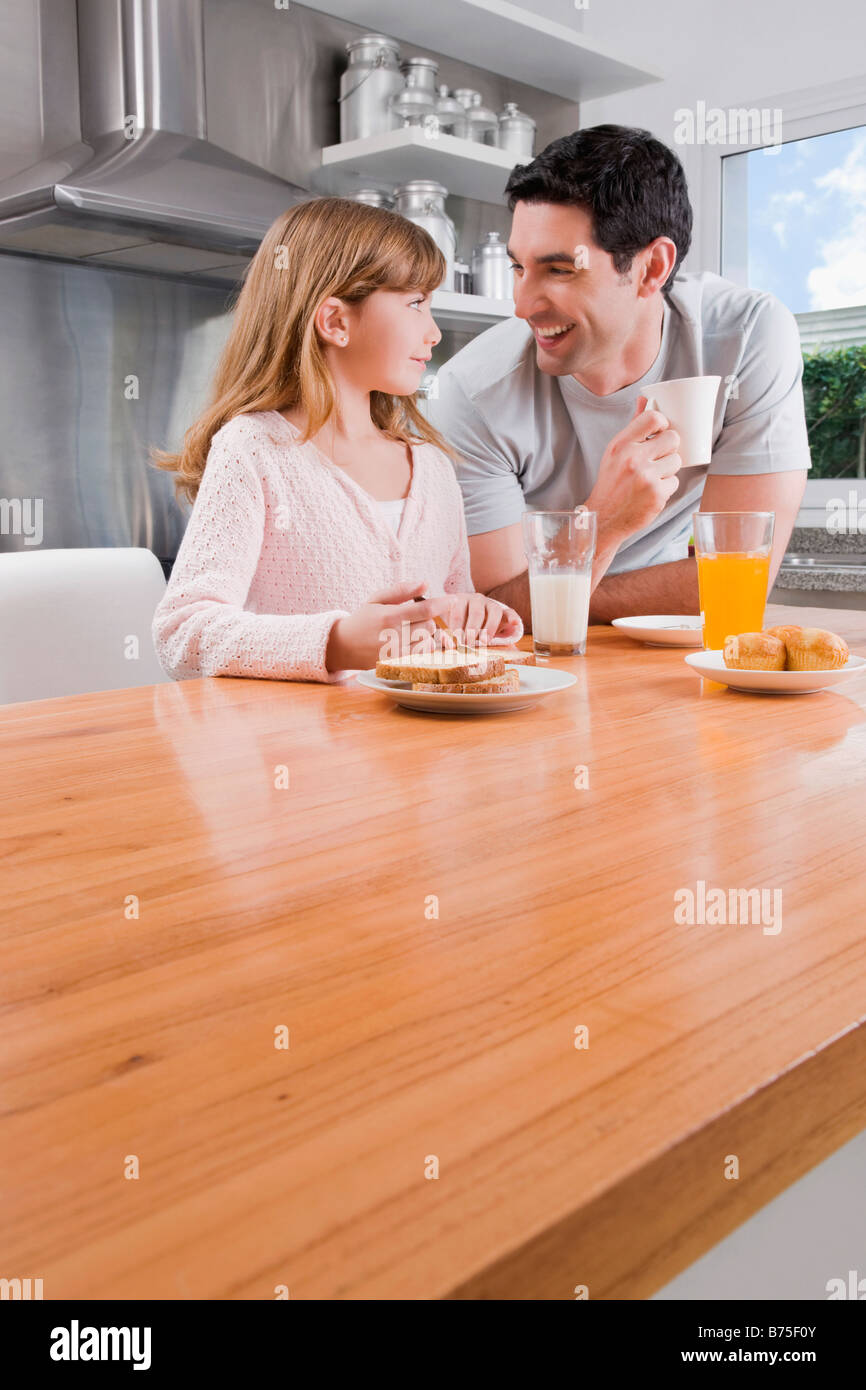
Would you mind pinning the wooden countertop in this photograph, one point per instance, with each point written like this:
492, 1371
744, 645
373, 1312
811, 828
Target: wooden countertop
413, 1036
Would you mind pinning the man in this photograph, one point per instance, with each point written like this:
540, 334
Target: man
546, 409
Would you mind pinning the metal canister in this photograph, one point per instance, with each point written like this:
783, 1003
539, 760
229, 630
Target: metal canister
421, 72
492, 275
465, 95
482, 124
366, 87
451, 113
373, 197
422, 201
516, 131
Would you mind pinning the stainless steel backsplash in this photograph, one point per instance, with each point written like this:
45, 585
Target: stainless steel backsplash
95, 366
98, 364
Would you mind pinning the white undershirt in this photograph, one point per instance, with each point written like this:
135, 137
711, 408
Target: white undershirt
392, 511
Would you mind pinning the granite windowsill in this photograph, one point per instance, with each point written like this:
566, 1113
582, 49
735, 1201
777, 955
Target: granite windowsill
822, 545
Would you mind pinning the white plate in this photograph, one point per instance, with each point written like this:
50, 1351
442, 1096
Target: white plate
664, 629
535, 683
712, 665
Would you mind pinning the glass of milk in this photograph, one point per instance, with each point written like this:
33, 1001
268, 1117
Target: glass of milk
560, 548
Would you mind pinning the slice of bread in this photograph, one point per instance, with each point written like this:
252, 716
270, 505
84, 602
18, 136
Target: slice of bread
442, 667
496, 685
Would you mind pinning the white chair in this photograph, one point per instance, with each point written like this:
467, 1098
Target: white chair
73, 621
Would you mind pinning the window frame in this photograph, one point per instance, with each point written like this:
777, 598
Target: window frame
813, 111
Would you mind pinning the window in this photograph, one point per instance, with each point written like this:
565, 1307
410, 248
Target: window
794, 223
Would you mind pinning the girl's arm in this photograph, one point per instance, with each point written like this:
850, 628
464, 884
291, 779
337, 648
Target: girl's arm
459, 579
200, 627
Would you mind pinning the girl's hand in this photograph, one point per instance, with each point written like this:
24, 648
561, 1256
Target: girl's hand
476, 613
356, 642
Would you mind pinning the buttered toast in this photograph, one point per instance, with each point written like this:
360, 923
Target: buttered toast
495, 685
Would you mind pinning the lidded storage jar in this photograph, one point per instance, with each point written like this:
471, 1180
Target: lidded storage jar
373, 197
482, 124
516, 131
423, 201
492, 275
451, 114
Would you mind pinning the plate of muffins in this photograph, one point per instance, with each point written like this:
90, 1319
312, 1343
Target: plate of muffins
784, 660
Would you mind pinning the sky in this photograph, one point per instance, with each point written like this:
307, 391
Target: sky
807, 221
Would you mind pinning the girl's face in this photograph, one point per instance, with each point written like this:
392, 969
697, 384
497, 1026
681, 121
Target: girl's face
391, 334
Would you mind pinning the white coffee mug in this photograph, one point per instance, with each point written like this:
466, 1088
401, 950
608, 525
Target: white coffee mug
690, 405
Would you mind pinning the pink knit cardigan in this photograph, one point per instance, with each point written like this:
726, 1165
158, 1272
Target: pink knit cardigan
282, 542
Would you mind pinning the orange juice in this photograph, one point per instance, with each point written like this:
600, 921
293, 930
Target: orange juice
733, 590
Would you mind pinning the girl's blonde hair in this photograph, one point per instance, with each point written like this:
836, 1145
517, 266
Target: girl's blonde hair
274, 359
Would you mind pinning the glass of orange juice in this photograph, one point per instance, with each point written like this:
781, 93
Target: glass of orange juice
733, 553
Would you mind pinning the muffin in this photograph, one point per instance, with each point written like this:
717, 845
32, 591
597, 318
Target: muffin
754, 651
787, 632
815, 649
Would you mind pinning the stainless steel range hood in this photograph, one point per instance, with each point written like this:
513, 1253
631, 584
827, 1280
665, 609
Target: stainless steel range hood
143, 188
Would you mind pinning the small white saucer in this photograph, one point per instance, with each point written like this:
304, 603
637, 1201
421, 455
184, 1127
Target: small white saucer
664, 629
712, 665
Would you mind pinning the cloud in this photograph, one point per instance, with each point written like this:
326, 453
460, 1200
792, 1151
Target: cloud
841, 280
850, 178
782, 204
786, 200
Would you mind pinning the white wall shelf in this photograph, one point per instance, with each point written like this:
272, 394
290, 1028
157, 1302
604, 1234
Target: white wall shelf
469, 313
501, 38
464, 167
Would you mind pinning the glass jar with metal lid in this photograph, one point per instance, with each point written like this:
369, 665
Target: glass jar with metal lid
462, 278
423, 201
451, 113
414, 106
482, 124
516, 131
366, 87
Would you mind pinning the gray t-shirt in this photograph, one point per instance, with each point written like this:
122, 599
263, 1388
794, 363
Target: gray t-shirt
528, 439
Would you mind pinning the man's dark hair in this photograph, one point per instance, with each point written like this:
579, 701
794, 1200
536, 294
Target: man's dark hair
632, 185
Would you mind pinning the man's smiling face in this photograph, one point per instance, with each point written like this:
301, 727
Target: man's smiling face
596, 306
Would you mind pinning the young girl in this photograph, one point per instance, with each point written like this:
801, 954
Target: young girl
325, 504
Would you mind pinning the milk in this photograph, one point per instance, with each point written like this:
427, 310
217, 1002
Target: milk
560, 609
